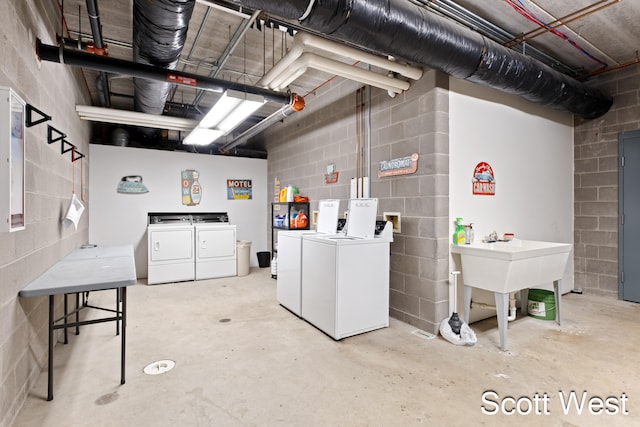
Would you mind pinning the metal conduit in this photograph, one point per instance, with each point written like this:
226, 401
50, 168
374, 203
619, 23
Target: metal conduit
231, 47
407, 31
193, 46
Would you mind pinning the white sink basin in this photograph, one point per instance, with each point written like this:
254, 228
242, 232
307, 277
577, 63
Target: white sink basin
511, 266
505, 267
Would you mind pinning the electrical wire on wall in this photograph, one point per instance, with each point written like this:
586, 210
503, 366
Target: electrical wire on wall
522, 9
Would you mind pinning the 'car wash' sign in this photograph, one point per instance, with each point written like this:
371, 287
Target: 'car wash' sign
484, 182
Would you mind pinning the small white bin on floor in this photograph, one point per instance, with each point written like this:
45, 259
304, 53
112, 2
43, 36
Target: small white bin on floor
243, 251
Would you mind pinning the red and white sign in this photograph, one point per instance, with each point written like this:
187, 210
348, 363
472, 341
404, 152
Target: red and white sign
174, 78
484, 182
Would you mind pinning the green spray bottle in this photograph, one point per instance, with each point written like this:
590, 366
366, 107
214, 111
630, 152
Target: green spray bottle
459, 234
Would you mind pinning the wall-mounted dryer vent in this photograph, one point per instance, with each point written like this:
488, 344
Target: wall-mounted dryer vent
406, 31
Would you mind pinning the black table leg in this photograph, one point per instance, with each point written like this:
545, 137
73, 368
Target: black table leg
123, 293
50, 361
66, 336
77, 313
118, 312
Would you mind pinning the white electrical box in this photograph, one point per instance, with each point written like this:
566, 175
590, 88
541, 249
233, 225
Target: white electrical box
12, 161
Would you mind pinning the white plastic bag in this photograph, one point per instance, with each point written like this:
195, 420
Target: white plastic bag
466, 337
75, 211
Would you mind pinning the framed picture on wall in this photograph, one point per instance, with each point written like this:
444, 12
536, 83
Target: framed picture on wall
12, 147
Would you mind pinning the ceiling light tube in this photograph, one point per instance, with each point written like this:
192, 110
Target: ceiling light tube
134, 118
241, 112
202, 136
219, 111
232, 108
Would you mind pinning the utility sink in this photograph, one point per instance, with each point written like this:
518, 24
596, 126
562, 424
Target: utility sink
505, 267
512, 266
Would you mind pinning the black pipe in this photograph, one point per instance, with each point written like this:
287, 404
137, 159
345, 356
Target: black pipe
94, 20
96, 31
150, 72
159, 33
409, 32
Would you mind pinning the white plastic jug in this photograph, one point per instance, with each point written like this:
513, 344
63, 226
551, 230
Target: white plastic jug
274, 267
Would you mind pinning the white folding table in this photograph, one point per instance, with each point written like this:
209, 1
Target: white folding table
87, 269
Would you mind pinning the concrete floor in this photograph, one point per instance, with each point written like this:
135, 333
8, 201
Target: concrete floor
266, 367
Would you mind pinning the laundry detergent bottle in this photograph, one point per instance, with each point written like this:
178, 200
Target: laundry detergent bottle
459, 233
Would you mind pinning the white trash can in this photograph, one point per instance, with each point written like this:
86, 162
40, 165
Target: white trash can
243, 251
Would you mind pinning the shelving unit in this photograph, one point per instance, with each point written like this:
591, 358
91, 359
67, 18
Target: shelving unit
286, 210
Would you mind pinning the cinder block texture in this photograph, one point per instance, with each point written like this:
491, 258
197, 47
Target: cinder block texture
50, 180
596, 182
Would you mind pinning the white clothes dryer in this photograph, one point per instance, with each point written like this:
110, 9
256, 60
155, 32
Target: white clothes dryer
215, 246
170, 248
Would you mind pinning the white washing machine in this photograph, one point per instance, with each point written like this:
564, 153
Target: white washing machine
289, 285
345, 278
215, 246
171, 255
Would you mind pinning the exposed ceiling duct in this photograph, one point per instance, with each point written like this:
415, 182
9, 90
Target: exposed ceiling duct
159, 32
407, 31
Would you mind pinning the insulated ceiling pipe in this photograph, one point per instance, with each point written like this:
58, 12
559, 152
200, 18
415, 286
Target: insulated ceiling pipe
159, 32
102, 83
303, 41
150, 72
407, 31
311, 60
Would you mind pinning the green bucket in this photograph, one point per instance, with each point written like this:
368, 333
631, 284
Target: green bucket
541, 304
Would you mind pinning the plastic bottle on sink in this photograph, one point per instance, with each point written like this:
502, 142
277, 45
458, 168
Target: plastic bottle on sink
459, 234
469, 234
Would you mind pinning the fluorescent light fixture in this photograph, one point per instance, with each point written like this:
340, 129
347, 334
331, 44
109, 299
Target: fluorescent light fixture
232, 108
202, 136
244, 109
134, 118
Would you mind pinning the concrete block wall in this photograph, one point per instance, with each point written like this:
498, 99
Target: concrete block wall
300, 148
596, 182
50, 179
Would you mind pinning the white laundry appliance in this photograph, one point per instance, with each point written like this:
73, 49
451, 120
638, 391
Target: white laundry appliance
345, 277
288, 289
171, 247
215, 253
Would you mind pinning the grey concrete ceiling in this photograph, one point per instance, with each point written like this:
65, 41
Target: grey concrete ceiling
606, 29
583, 46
